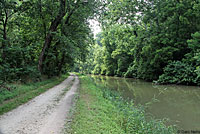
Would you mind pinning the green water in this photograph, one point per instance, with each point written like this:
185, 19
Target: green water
180, 104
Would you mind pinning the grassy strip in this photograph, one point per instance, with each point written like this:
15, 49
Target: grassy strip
102, 111
25, 92
65, 90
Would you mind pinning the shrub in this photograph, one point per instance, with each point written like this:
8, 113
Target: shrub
178, 72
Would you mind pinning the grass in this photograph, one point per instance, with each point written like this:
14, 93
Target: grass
65, 90
102, 111
22, 93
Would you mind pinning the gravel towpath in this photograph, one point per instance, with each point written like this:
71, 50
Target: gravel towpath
45, 114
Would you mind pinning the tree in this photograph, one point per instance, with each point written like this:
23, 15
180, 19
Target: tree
143, 38
43, 37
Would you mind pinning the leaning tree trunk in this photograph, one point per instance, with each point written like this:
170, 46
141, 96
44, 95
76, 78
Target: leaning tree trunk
49, 37
53, 28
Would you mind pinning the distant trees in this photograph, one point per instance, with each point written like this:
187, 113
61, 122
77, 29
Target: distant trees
151, 40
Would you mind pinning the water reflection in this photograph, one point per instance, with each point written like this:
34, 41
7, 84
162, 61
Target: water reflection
178, 103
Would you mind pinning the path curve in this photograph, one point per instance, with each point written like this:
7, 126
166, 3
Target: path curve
42, 115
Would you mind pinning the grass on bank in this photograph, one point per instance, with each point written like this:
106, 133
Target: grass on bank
22, 93
102, 111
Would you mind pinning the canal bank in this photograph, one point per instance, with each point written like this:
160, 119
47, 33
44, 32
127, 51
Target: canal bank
101, 110
178, 103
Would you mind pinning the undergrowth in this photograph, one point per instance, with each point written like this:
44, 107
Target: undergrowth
102, 111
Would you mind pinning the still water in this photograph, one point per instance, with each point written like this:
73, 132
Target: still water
180, 104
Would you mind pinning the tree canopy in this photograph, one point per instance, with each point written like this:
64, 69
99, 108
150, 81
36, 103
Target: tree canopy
154, 40
43, 37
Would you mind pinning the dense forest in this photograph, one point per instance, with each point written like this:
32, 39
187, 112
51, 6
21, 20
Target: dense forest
43, 37
154, 40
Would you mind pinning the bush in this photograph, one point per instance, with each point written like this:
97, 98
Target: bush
18, 64
178, 72
197, 79
8, 73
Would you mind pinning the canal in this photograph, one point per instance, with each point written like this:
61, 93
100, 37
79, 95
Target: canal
179, 104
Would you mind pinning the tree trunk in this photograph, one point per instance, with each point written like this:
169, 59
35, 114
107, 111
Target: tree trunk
61, 63
46, 44
49, 37
53, 28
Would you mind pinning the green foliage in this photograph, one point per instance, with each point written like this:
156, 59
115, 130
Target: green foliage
132, 71
194, 45
141, 39
197, 79
194, 56
57, 30
178, 73
14, 65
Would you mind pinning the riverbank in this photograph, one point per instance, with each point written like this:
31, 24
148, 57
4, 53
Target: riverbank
100, 110
22, 93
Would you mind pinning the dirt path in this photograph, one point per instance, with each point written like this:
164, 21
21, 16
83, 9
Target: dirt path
45, 114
